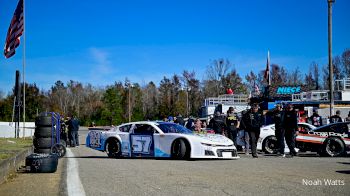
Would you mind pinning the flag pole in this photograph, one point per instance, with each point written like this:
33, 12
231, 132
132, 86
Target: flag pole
268, 56
24, 67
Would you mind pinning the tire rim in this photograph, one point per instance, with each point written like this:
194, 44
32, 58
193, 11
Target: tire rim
112, 148
270, 145
176, 149
333, 148
59, 149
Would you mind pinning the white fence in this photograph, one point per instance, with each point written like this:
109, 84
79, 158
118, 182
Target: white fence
7, 129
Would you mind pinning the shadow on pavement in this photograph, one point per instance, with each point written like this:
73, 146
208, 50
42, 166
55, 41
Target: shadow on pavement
343, 171
87, 157
345, 163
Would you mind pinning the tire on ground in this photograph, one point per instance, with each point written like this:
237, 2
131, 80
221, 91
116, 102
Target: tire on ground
43, 121
270, 145
43, 142
333, 147
42, 163
113, 148
41, 132
180, 149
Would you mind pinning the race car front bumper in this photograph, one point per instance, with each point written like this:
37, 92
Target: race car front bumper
214, 152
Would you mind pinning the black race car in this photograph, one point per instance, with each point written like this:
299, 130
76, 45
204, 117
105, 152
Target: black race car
328, 140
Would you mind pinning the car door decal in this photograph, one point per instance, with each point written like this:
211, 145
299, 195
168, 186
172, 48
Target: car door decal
142, 144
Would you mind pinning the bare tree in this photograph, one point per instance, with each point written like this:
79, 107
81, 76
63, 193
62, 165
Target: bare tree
150, 101
314, 69
345, 58
216, 72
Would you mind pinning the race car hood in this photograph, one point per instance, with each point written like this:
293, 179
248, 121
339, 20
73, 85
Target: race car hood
215, 139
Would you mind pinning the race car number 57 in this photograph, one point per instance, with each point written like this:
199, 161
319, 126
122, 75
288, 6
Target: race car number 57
141, 144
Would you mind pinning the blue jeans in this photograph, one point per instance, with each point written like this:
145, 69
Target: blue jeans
74, 139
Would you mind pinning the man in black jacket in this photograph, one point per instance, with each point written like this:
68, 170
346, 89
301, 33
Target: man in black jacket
253, 121
218, 124
276, 115
290, 126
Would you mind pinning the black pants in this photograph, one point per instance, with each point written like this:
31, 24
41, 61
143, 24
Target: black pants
279, 133
254, 135
232, 134
290, 140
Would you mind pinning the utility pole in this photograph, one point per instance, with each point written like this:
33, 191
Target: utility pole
330, 64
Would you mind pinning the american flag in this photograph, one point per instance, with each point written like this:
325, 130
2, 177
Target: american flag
15, 31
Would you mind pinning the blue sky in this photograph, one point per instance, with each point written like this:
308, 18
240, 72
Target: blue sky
100, 42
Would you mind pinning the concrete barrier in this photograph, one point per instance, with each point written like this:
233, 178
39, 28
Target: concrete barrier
11, 165
7, 129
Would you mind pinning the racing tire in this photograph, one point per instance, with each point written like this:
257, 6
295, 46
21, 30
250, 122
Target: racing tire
42, 150
180, 150
44, 142
42, 163
333, 147
43, 121
113, 148
59, 149
270, 145
41, 132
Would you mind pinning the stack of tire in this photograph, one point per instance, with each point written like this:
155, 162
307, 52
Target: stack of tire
44, 135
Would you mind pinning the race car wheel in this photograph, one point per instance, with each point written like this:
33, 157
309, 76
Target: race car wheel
113, 148
334, 147
270, 145
180, 150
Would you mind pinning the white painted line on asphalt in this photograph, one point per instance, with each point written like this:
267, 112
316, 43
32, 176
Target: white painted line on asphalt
74, 186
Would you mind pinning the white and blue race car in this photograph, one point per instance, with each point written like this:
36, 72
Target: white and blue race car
159, 139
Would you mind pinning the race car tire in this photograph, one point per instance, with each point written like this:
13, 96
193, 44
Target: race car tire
270, 145
180, 149
333, 147
42, 163
113, 148
44, 132
43, 121
59, 149
44, 142
42, 150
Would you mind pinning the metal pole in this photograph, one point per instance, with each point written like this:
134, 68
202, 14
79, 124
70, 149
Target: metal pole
330, 64
24, 67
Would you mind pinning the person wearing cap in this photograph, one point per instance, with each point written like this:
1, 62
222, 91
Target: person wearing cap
179, 120
232, 124
190, 123
253, 121
217, 123
290, 126
276, 115
336, 118
316, 119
